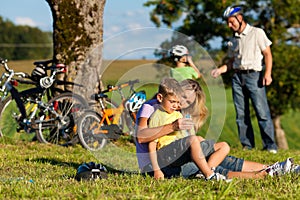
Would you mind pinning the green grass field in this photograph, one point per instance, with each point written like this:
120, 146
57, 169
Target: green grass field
30, 170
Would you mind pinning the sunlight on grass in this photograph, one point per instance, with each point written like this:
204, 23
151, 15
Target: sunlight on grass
118, 157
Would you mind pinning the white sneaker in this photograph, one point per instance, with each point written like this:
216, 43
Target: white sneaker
280, 168
218, 177
199, 175
295, 169
274, 151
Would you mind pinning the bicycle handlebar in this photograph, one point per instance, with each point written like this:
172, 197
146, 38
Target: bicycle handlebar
120, 86
113, 88
9, 74
11, 71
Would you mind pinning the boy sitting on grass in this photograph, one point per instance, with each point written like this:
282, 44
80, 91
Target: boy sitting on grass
179, 147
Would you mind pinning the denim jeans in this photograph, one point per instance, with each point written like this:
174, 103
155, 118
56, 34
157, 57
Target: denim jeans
246, 87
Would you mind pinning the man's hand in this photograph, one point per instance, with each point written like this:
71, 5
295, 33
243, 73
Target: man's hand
267, 80
215, 73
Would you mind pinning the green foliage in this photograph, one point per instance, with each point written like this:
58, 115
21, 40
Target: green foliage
284, 92
170, 11
24, 42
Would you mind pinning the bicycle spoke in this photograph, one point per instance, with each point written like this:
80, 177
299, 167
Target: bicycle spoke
58, 126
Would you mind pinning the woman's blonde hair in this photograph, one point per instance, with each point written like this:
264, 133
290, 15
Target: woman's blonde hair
197, 109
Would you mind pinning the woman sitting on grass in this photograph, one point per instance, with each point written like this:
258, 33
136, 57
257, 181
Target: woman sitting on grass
193, 102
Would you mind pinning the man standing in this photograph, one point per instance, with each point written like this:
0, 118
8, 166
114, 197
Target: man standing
247, 49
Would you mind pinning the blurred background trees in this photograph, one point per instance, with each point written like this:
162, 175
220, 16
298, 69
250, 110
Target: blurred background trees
24, 42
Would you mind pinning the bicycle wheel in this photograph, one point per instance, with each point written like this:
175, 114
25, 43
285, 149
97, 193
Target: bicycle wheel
9, 115
88, 123
57, 123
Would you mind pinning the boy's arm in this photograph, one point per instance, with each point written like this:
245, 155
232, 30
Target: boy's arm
158, 174
146, 134
191, 63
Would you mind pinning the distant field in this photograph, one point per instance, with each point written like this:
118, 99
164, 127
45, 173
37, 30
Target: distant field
120, 70
24, 65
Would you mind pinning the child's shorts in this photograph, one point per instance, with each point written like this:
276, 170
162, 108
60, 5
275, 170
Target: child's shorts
178, 152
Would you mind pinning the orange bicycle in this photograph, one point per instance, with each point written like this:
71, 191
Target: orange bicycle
96, 128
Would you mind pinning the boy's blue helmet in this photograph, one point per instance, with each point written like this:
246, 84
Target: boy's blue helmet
135, 102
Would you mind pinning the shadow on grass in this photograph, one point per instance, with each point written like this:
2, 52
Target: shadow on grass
76, 165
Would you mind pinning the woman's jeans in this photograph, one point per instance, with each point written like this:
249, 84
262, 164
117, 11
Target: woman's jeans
246, 87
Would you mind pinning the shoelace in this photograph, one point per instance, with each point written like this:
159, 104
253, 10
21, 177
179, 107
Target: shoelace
275, 169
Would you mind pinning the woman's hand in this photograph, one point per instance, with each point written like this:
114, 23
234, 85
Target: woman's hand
158, 174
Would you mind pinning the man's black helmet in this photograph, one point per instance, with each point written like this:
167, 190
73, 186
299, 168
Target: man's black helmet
38, 73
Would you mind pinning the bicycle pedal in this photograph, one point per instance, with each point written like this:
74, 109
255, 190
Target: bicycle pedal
19, 129
29, 130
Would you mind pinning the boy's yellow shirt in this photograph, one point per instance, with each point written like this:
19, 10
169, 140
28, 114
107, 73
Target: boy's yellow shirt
161, 117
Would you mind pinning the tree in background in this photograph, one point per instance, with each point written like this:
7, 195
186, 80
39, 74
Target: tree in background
77, 32
24, 42
202, 21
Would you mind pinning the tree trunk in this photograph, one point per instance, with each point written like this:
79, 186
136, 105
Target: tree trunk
77, 37
280, 134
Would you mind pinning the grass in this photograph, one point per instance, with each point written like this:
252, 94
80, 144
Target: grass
30, 170
39, 171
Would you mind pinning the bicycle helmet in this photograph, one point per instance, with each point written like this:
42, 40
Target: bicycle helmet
38, 73
232, 11
136, 100
179, 51
91, 171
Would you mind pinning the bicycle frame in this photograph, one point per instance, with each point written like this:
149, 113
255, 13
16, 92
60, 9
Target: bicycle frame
34, 103
116, 113
106, 113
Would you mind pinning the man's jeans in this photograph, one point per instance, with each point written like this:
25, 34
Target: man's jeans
246, 86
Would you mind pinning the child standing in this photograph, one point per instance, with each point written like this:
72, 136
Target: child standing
185, 67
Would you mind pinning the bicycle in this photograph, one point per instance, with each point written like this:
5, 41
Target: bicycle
30, 105
96, 128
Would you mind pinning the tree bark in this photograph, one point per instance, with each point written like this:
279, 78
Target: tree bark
77, 38
280, 134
